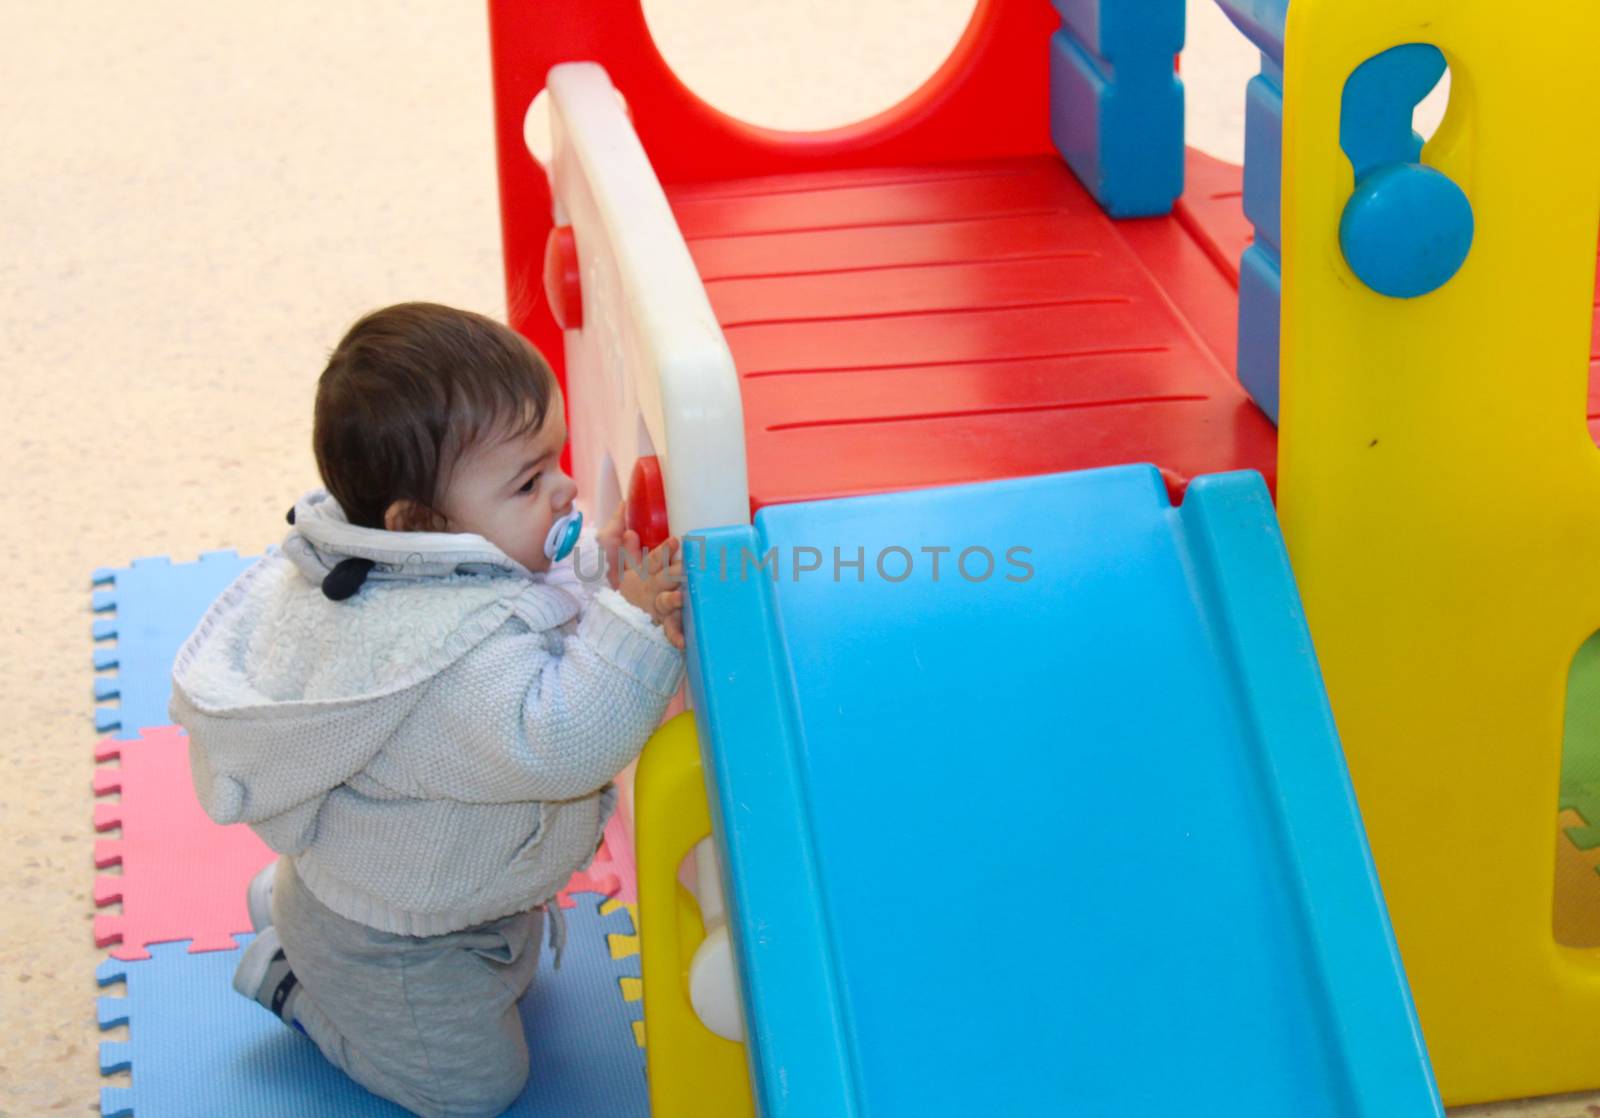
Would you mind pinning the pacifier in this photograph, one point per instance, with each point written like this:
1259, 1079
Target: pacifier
563, 536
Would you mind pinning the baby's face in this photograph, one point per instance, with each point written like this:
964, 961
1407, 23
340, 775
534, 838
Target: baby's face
511, 490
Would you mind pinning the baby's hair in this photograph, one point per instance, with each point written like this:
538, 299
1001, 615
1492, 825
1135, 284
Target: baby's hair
407, 391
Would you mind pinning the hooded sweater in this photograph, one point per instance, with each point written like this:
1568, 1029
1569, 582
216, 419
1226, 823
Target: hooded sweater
435, 750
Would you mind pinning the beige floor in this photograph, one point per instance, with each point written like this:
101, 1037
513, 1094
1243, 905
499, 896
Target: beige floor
196, 199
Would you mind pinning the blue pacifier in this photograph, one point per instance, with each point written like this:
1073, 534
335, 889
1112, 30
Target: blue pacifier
563, 536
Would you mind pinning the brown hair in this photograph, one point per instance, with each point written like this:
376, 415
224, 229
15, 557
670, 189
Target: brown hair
407, 391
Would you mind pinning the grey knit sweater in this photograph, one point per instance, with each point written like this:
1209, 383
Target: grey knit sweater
435, 751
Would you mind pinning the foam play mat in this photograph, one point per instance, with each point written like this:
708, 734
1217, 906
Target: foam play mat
193, 1046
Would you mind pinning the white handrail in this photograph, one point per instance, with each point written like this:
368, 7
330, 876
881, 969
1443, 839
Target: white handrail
649, 370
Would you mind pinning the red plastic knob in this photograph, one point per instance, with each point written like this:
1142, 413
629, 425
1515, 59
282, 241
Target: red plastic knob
561, 279
647, 503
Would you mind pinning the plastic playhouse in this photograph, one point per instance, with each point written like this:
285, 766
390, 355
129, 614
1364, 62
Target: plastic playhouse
1065, 823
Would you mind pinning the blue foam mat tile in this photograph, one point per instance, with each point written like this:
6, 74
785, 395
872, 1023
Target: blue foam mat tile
116, 1102
195, 1047
149, 609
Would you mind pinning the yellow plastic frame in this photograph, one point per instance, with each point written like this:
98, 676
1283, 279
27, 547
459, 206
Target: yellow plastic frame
693, 1072
1440, 496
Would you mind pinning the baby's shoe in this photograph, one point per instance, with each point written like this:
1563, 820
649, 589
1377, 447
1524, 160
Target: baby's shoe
258, 897
264, 975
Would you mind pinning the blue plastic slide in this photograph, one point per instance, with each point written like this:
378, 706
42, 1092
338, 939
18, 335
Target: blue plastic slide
1066, 830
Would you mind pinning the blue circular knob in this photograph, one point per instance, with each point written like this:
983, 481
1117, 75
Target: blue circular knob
1406, 230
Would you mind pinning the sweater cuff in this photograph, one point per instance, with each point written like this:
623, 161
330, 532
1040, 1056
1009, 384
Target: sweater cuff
629, 638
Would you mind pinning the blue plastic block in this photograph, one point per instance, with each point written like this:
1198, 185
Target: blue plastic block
1260, 323
196, 1047
1119, 31
1116, 104
1264, 23
1263, 161
1261, 266
1094, 746
157, 606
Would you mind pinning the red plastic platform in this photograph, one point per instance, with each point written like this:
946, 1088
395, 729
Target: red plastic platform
926, 325
924, 297
1212, 211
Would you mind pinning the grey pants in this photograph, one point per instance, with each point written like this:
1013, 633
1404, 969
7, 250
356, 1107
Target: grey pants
430, 1023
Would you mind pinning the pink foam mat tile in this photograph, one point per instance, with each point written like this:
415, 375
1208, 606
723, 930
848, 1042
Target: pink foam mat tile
612, 872
183, 876
619, 849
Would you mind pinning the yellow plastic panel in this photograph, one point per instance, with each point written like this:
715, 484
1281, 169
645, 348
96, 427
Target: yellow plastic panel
1441, 500
693, 1072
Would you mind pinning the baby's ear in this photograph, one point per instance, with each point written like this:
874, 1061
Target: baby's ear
397, 517
409, 516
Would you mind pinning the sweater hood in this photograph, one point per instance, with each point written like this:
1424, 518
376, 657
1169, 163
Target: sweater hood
322, 538
279, 686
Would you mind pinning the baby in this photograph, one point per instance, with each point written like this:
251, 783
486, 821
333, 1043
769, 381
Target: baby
421, 706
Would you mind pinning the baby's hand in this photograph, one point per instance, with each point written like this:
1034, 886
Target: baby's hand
612, 538
651, 582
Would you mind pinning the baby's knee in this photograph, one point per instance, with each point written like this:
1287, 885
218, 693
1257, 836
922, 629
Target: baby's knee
484, 1092
496, 1095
